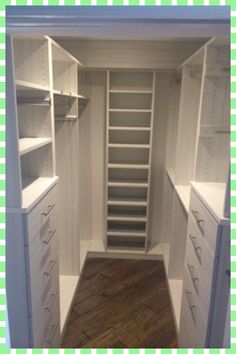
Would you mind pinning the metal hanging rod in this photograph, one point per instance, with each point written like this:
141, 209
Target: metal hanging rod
66, 118
39, 101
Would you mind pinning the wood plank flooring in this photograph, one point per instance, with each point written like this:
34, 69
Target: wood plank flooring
121, 304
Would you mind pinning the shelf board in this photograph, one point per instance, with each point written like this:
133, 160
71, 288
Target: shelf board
184, 195
212, 196
128, 166
126, 233
127, 183
129, 146
127, 217
130, 110
68, 285
29, 144
127, 201
35, 189
26, 85
131, 91
129, 128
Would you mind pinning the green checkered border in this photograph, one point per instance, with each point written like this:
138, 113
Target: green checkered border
3, 4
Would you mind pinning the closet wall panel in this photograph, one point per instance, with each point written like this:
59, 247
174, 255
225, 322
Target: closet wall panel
68, 218
158, 158
98, 114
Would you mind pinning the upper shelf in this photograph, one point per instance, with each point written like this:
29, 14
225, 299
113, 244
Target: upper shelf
26, 89
29, 144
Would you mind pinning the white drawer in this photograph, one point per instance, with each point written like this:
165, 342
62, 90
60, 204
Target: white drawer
193, 327
39, 218
205, 223
201, 284
45, 334
201, 252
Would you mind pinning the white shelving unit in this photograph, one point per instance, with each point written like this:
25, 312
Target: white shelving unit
130, 102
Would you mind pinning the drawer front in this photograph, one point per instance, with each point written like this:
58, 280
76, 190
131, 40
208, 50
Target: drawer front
201, 284
205, 223
202, 253
45, 334
39, 218
193, 327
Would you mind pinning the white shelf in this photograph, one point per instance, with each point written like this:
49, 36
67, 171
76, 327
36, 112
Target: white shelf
131, 91
129, 128
176, 288
170, 174
184, 195
131, 166
125, 217
129, 110
29, 86
68, 285
127, 183
126, 233
127, 201
35, 190
29, 144
212, 196
129, 146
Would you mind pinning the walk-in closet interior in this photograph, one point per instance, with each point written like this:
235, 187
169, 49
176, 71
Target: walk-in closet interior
118, 141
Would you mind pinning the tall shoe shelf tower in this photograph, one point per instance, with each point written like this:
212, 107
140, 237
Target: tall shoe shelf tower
130, 102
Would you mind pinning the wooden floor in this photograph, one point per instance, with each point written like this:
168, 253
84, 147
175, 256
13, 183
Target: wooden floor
121, 304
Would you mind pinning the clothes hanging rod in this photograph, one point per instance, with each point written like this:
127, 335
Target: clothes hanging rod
34, 101
65, 118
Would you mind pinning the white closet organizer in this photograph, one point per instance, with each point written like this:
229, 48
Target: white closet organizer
116, 161
130, 102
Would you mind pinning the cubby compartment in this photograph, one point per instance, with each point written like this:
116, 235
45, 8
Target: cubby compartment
126, 192
129, 137
215, 105
134, 101
31, 60
128, 156
37, 163
64, 72
213, 157
137, 213
34, 120
125, 174
131, 81
125, 242
130, 119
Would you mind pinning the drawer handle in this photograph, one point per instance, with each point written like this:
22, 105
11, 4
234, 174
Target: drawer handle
50, 235
191, 272
50, 207
49, 307
189, 298
200, 222
50, 268
196, 248
52, 334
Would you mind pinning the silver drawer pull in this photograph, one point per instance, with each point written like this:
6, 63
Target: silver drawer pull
49, 306
189, 298
52, 333
50, 268
196, 248
200, 222
191, 272
50, 235
50, 207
